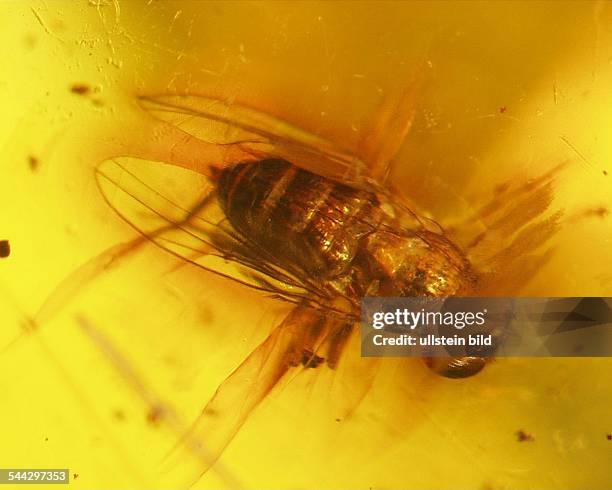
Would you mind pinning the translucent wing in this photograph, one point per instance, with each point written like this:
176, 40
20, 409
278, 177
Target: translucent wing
176, 210
225, 122
294, 345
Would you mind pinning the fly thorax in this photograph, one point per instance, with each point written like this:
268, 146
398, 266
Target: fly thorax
422, 263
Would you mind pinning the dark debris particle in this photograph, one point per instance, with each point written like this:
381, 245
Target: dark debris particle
501, 188
5, 248
596, 212
75, 476
503, 109
46, 439
605, 172
522, 436
33, 163
30, 41
338, 420
155, 416
28, 324
119, 415
609, 437
80, 88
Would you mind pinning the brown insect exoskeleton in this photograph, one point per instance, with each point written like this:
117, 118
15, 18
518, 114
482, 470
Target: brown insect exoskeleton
295, 217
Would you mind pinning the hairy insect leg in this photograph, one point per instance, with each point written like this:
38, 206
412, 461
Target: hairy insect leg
357, 373
513, 204
338, 340
352, 376
241, 392
326, 342
515, 226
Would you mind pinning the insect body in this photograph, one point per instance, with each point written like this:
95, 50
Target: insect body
337, 234
321, 242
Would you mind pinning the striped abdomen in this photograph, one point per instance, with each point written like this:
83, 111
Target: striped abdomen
303, 220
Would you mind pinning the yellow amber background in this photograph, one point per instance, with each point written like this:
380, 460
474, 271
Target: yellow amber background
81, 399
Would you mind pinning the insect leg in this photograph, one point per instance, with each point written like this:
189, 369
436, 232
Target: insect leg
337, 342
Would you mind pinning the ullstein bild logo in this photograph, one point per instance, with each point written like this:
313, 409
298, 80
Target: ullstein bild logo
486, 327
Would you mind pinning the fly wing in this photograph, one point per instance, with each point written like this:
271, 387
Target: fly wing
241, 392
226, 122
176, 210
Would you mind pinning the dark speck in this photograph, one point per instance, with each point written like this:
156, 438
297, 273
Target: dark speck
80, 88
605, 172
5, 248
503, 109
155, 415
609, 437
501, 188
119, 415
33, 163
522, 436
75, 476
